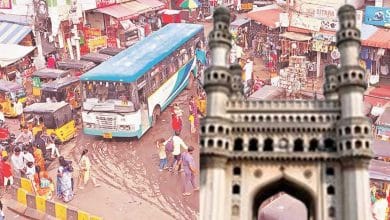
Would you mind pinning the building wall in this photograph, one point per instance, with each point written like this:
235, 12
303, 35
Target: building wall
270, 172
20, 7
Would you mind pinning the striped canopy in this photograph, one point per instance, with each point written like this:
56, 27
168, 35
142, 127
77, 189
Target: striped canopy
11, 33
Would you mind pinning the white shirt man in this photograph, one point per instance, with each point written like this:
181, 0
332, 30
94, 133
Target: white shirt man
2, 118
18, 108
178, 143
17, 163
379, 209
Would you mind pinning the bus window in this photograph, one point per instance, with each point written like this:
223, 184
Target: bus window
112, 93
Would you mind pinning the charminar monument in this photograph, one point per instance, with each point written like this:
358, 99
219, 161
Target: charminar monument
316, 151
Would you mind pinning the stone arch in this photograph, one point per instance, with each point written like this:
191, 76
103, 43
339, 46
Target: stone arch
292, 188
238, 144
211, 128
313, 144
220, 129
253, 144
235, 210
330, 145
298, 145
268, 144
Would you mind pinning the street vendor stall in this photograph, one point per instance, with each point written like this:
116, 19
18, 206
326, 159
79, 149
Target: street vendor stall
76, 67
170, 16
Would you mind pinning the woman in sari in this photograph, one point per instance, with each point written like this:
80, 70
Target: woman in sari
43, 184
39, 160
64, 178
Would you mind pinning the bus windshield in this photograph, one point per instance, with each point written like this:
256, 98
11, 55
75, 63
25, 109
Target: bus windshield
110, 96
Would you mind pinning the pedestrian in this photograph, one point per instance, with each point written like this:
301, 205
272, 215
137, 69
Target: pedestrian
39, 159
43, 184
25, 137
190, 171
27, 155
64, 180
18, 164
162, 154
2, 118
85, 171
40, 143
178, 143
2, 216
7, 172
194, 119
177, 123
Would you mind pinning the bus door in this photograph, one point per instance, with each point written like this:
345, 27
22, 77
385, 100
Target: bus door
142, 93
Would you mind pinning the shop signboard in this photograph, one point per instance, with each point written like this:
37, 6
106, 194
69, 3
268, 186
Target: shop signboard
5, 4
377, 16
36, 82
305, 22
321, 12
97, 42
324, 37
104, 3
320, 46
283, 19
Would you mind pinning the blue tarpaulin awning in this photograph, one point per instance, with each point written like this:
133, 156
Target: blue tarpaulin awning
11, 33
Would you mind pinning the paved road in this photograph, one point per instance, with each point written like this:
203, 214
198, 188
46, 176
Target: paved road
128, 172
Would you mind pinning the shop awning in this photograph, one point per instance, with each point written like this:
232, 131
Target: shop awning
153, 4
127, 10
13, 53
380, 39
381, 148
379, 170
269, 18
384, 119
11, 33
295, 36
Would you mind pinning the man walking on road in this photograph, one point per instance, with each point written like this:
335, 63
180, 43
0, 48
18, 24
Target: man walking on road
178, 143
189, 171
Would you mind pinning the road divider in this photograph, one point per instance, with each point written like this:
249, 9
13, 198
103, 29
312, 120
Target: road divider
26, 203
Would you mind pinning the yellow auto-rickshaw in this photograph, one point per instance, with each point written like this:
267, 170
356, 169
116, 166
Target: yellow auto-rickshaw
11, 96
56, 117
46, 75
65, 89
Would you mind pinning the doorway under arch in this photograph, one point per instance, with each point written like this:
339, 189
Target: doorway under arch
282, 206
291, 188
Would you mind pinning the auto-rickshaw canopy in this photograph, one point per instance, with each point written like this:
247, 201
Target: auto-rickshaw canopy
95, 57
48, 73
75, 64
60, 83
8, 86
111, 51
53, 115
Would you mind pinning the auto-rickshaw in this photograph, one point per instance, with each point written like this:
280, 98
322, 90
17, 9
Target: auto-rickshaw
76, 67
111, 51
46, 75
97, 58
64, 89
10, 94
56, 117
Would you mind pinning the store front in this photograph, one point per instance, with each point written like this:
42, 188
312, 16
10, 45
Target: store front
125, 23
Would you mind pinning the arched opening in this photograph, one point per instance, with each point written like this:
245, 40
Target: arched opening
330, 171
253, 144
282, 206
237, 171
293, 191
238, 144
330, 145
330, 190
268, 145
236, 189
220, 129
235, 210
211, 129
298, 145
313, 145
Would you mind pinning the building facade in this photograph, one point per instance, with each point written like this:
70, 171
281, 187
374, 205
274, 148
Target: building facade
316, 151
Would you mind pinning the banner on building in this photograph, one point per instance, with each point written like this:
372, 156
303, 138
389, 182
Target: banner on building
319, 11
104, 3
320, 46
97, 42
5, 4
305, 22
377, 16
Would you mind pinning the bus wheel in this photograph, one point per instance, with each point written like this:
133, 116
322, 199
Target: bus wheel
156, 115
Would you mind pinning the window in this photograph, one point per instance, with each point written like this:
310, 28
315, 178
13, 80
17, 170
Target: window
238, 145
236, 189
268, 144
330, 190
237, 171
298, 145
253, 145
329, 171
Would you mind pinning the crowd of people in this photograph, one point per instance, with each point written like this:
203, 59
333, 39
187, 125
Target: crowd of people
175, 155
31, 156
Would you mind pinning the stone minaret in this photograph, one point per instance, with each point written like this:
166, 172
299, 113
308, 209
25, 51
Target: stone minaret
330, 84
237, 85
353, 129
217, 85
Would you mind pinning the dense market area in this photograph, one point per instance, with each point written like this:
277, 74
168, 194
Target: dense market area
56, 66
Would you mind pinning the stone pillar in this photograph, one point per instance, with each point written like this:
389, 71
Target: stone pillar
212, 189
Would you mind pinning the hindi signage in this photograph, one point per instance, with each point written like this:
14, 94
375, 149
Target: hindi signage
377, 16
305, 22
321, 12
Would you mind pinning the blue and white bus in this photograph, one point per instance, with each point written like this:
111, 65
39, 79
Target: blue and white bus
124, 96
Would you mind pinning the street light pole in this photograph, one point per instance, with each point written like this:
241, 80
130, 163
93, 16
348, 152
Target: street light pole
40, 16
